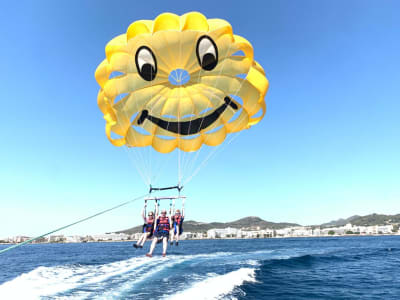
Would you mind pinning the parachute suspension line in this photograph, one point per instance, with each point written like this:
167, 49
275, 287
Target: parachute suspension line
194, 160
187, 155
190, 122
211, 154
232, 137
144, 159
135, 163
161, 169
208, 106
138, 161
135, 160
74, 223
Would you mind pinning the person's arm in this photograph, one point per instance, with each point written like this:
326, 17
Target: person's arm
170, 219
183, 208
156, 209
144, 211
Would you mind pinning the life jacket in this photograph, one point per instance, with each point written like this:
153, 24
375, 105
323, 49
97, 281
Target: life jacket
163, 224
148, 226
178, 220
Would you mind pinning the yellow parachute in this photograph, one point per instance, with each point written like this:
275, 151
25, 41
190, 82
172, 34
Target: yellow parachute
180, 83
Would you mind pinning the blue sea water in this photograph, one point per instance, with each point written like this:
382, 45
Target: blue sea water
302, 268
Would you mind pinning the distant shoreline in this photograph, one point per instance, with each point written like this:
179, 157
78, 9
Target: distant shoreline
233, 238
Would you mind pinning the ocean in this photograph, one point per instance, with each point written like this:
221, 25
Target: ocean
295, 268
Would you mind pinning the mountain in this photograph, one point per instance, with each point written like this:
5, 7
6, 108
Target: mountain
254, 223
376, 219
340, 222
248, 223
368, 220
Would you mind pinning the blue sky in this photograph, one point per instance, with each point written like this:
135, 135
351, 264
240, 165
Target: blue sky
328, 146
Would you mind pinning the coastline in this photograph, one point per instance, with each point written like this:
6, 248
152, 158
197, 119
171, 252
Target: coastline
229, 238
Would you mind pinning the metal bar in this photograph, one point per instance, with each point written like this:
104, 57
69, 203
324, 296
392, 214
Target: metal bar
179, 188
164, 198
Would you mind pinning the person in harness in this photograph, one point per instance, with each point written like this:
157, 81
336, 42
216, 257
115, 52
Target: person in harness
148, 226
177, 221
161, 233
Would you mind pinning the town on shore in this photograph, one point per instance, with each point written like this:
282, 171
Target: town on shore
227, 233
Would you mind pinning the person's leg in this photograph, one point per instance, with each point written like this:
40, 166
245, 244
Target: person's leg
171, 236
141, 238
177, 235
165, 244
144, 238
139, 241
153, 245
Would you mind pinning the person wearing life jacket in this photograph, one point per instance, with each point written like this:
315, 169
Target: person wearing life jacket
177, 221
161, 233
148, 226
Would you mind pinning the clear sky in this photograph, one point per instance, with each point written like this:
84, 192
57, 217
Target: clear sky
328, 146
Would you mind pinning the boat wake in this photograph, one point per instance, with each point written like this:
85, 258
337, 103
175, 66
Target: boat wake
216, 286
202, 276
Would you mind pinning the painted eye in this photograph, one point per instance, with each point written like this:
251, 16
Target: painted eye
146, 63
207, 53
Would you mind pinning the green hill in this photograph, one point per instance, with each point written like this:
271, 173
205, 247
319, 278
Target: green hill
248, 223
255, 223
340, 222
368, 220
376, 219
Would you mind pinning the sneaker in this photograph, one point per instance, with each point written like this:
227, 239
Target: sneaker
164, 254
141, 246
149, 255
176, 243
171, 243
135, 245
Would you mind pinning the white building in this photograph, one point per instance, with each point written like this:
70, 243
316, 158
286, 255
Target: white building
302, 231
316, 232
186, 235
222, 233
73, 239
56, 238
111, 237
136, 236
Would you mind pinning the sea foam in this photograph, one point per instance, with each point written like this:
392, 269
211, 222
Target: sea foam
216, 286
57, 280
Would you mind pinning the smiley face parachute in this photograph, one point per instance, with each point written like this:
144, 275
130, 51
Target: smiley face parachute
179, 82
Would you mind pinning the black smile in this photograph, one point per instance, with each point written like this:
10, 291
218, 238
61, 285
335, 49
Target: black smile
188, 127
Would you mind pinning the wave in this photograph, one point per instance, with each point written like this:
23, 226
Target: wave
301, 259
58, 280
216, 286
47, 281
122, 279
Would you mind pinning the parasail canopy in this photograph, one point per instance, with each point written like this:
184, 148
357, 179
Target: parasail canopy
179, 82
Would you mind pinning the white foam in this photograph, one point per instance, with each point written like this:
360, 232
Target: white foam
50, 281
47, 281
216, 286
162, 263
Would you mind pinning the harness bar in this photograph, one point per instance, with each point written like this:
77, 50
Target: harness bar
178, 187
164, 198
